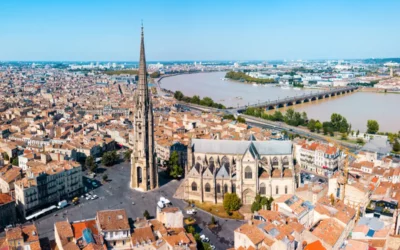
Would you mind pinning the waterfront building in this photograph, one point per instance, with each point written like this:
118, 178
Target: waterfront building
247, 168
144, 174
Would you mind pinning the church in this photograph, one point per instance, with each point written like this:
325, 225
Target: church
144, 174
246, 168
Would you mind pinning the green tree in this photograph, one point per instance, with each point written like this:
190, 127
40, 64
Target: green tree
261, 201
372, 126
231, 202
311, 125
175, 170
212, 222
229, 117
207, 101
357, 133
360, 141
190, 229
90, 163
195, 99
127, 155
241, 119
396, 146
325, 129
278, 116
344, 136
178, 95
318, 126
105, 177
15, 161
146, 214
155, 74
5, 156
109, 158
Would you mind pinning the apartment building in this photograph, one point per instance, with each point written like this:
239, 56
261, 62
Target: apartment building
113, 225
21, 237
323, 159
7, 210
46, 183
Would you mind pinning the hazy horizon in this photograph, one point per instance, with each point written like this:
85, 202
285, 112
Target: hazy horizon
45, 30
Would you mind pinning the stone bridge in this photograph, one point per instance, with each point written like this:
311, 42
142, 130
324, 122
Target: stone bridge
290, 101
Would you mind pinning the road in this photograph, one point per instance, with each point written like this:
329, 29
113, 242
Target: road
116, 194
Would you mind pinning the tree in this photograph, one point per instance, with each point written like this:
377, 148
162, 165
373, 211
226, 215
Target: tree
241, 119
190, 229
261, 201
15, 161
127, 155
396, 146
90, 163
212, 222
175, 170
325, 129
360, 141
178, 95
146, 214
231, 202
311, 125
228, 117
358, 132
105, 177
195, 99
372, 126
155, 74
109, 158
344, 136
5, 156
318, 126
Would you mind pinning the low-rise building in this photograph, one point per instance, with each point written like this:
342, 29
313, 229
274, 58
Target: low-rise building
171, 217
21, 237
114, 227
7, 210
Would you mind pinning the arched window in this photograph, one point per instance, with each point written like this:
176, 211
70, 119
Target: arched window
275, 161
233, 188
194, 186
225, 188
211, 162
225, 161
248, 174
276, 190
198, 158
285, 161
285, 189
207, 188
218, 188
263, 189
197, 166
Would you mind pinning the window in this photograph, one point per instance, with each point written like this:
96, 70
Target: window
225, 188
207, 188
233, 188
262, 189
248, 173
275, 161
285, 189
218, 188
194, 186
276, 190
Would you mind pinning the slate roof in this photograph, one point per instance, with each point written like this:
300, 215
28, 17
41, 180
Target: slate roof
240, 147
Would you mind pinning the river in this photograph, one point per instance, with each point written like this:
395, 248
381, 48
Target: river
356, 107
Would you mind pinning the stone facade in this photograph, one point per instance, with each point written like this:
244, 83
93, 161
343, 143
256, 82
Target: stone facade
144, 174
246, 168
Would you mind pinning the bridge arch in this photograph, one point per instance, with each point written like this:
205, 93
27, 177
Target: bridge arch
313, 98
299, 101
289, 104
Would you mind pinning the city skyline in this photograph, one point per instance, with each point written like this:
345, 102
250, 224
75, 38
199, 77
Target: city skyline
180, 31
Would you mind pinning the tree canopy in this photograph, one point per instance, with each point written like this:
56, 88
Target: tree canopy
110, 158
372, 126
175, 170
243, 76
231, 202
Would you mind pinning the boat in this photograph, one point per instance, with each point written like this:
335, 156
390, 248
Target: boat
285, 87
297, 88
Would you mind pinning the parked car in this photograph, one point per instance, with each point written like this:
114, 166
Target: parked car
164, 200
191, 211
62, 204
204, 238
212, 247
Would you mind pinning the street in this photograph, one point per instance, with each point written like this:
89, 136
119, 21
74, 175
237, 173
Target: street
116, 194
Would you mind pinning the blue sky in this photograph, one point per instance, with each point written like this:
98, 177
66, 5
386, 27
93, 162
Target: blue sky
198, 30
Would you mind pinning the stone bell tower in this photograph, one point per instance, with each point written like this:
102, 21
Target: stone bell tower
144, 174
